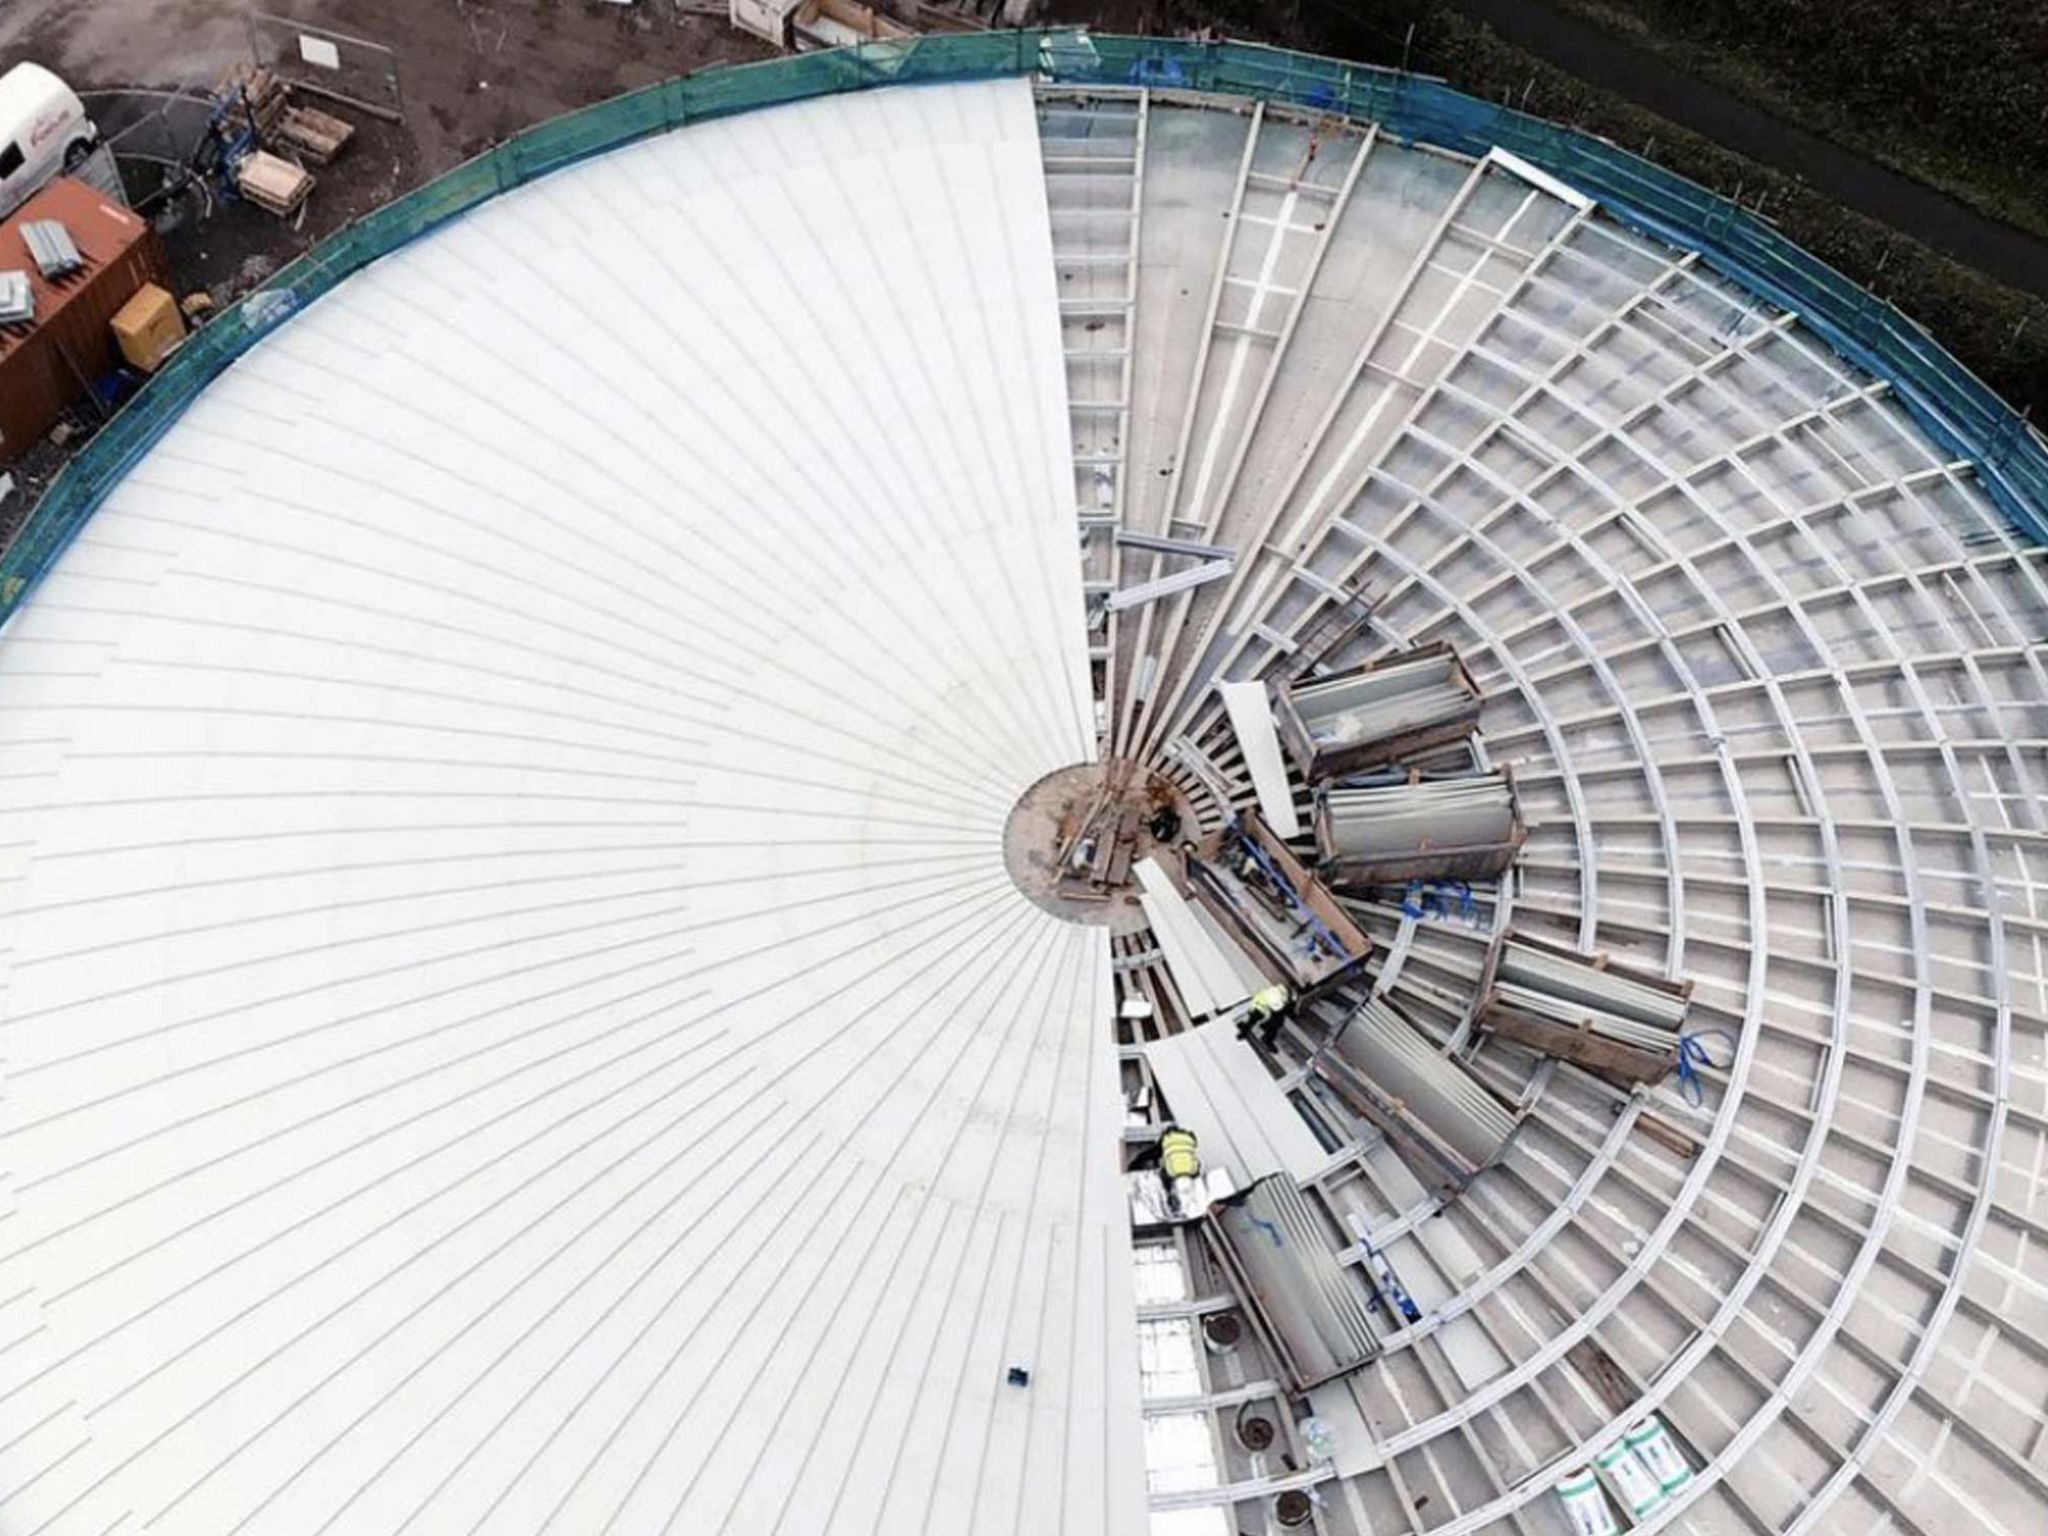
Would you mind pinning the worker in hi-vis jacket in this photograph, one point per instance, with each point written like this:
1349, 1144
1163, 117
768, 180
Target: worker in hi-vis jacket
1271, 1007
1180, 1168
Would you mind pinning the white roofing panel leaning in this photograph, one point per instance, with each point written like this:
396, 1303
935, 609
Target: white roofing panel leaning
1251, 720
1221, 1091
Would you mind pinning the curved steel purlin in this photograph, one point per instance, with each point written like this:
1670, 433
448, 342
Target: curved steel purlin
1951, 404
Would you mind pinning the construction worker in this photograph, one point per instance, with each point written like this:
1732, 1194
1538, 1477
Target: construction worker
1271, 1007
1180, 1167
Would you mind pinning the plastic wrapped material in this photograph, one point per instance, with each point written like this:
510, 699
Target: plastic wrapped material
1659, 1454
1585, 1506
1633, 1482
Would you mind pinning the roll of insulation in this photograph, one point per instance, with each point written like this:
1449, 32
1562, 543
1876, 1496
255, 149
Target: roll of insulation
1654, 1447
1585, 1506
1631, 1479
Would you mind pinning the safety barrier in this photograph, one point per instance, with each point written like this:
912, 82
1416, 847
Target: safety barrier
1955, 407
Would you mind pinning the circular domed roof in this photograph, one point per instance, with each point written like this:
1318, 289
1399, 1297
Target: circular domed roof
517, 1016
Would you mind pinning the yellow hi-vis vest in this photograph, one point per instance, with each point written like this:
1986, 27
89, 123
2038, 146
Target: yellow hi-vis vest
1268, 1001
1177, 1159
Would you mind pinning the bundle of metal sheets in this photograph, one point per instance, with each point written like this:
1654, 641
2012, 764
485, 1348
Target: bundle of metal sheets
50, 243
17, 299
1379, 714
1648, 1012
1283, 1264
1425, 1100
1431, 829
1618, 1021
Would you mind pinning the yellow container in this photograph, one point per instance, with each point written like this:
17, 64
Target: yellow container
148, 328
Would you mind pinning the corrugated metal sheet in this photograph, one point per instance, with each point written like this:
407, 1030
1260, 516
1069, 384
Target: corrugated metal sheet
50, 243
1427, 829
1425, 1095
1286, 1268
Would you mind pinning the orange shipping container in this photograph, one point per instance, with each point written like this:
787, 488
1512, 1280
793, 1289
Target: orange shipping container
47, 363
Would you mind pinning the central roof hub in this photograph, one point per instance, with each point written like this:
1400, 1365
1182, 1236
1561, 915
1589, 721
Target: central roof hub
1074, 837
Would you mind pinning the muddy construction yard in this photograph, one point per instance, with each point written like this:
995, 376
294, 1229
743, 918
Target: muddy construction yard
469, 74
471, 71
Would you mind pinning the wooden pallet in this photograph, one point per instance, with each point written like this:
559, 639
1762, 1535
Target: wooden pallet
274, 185
265, 97
318, 136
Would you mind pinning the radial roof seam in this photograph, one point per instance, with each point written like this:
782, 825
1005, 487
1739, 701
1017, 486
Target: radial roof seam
2007, 453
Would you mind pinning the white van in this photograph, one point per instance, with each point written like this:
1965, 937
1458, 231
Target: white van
44, 132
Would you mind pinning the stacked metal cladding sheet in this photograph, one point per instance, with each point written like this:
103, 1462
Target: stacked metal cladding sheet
1622, 1023
52, 248
1285, 919
1314, 1313
17, 299
1416, 828
1433, 1109
1382, 713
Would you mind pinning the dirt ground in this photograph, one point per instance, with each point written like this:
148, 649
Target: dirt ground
472, 71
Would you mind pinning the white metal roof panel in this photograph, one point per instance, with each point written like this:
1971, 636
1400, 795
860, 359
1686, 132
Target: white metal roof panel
1217, 1087
1251, 719
516, 1018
